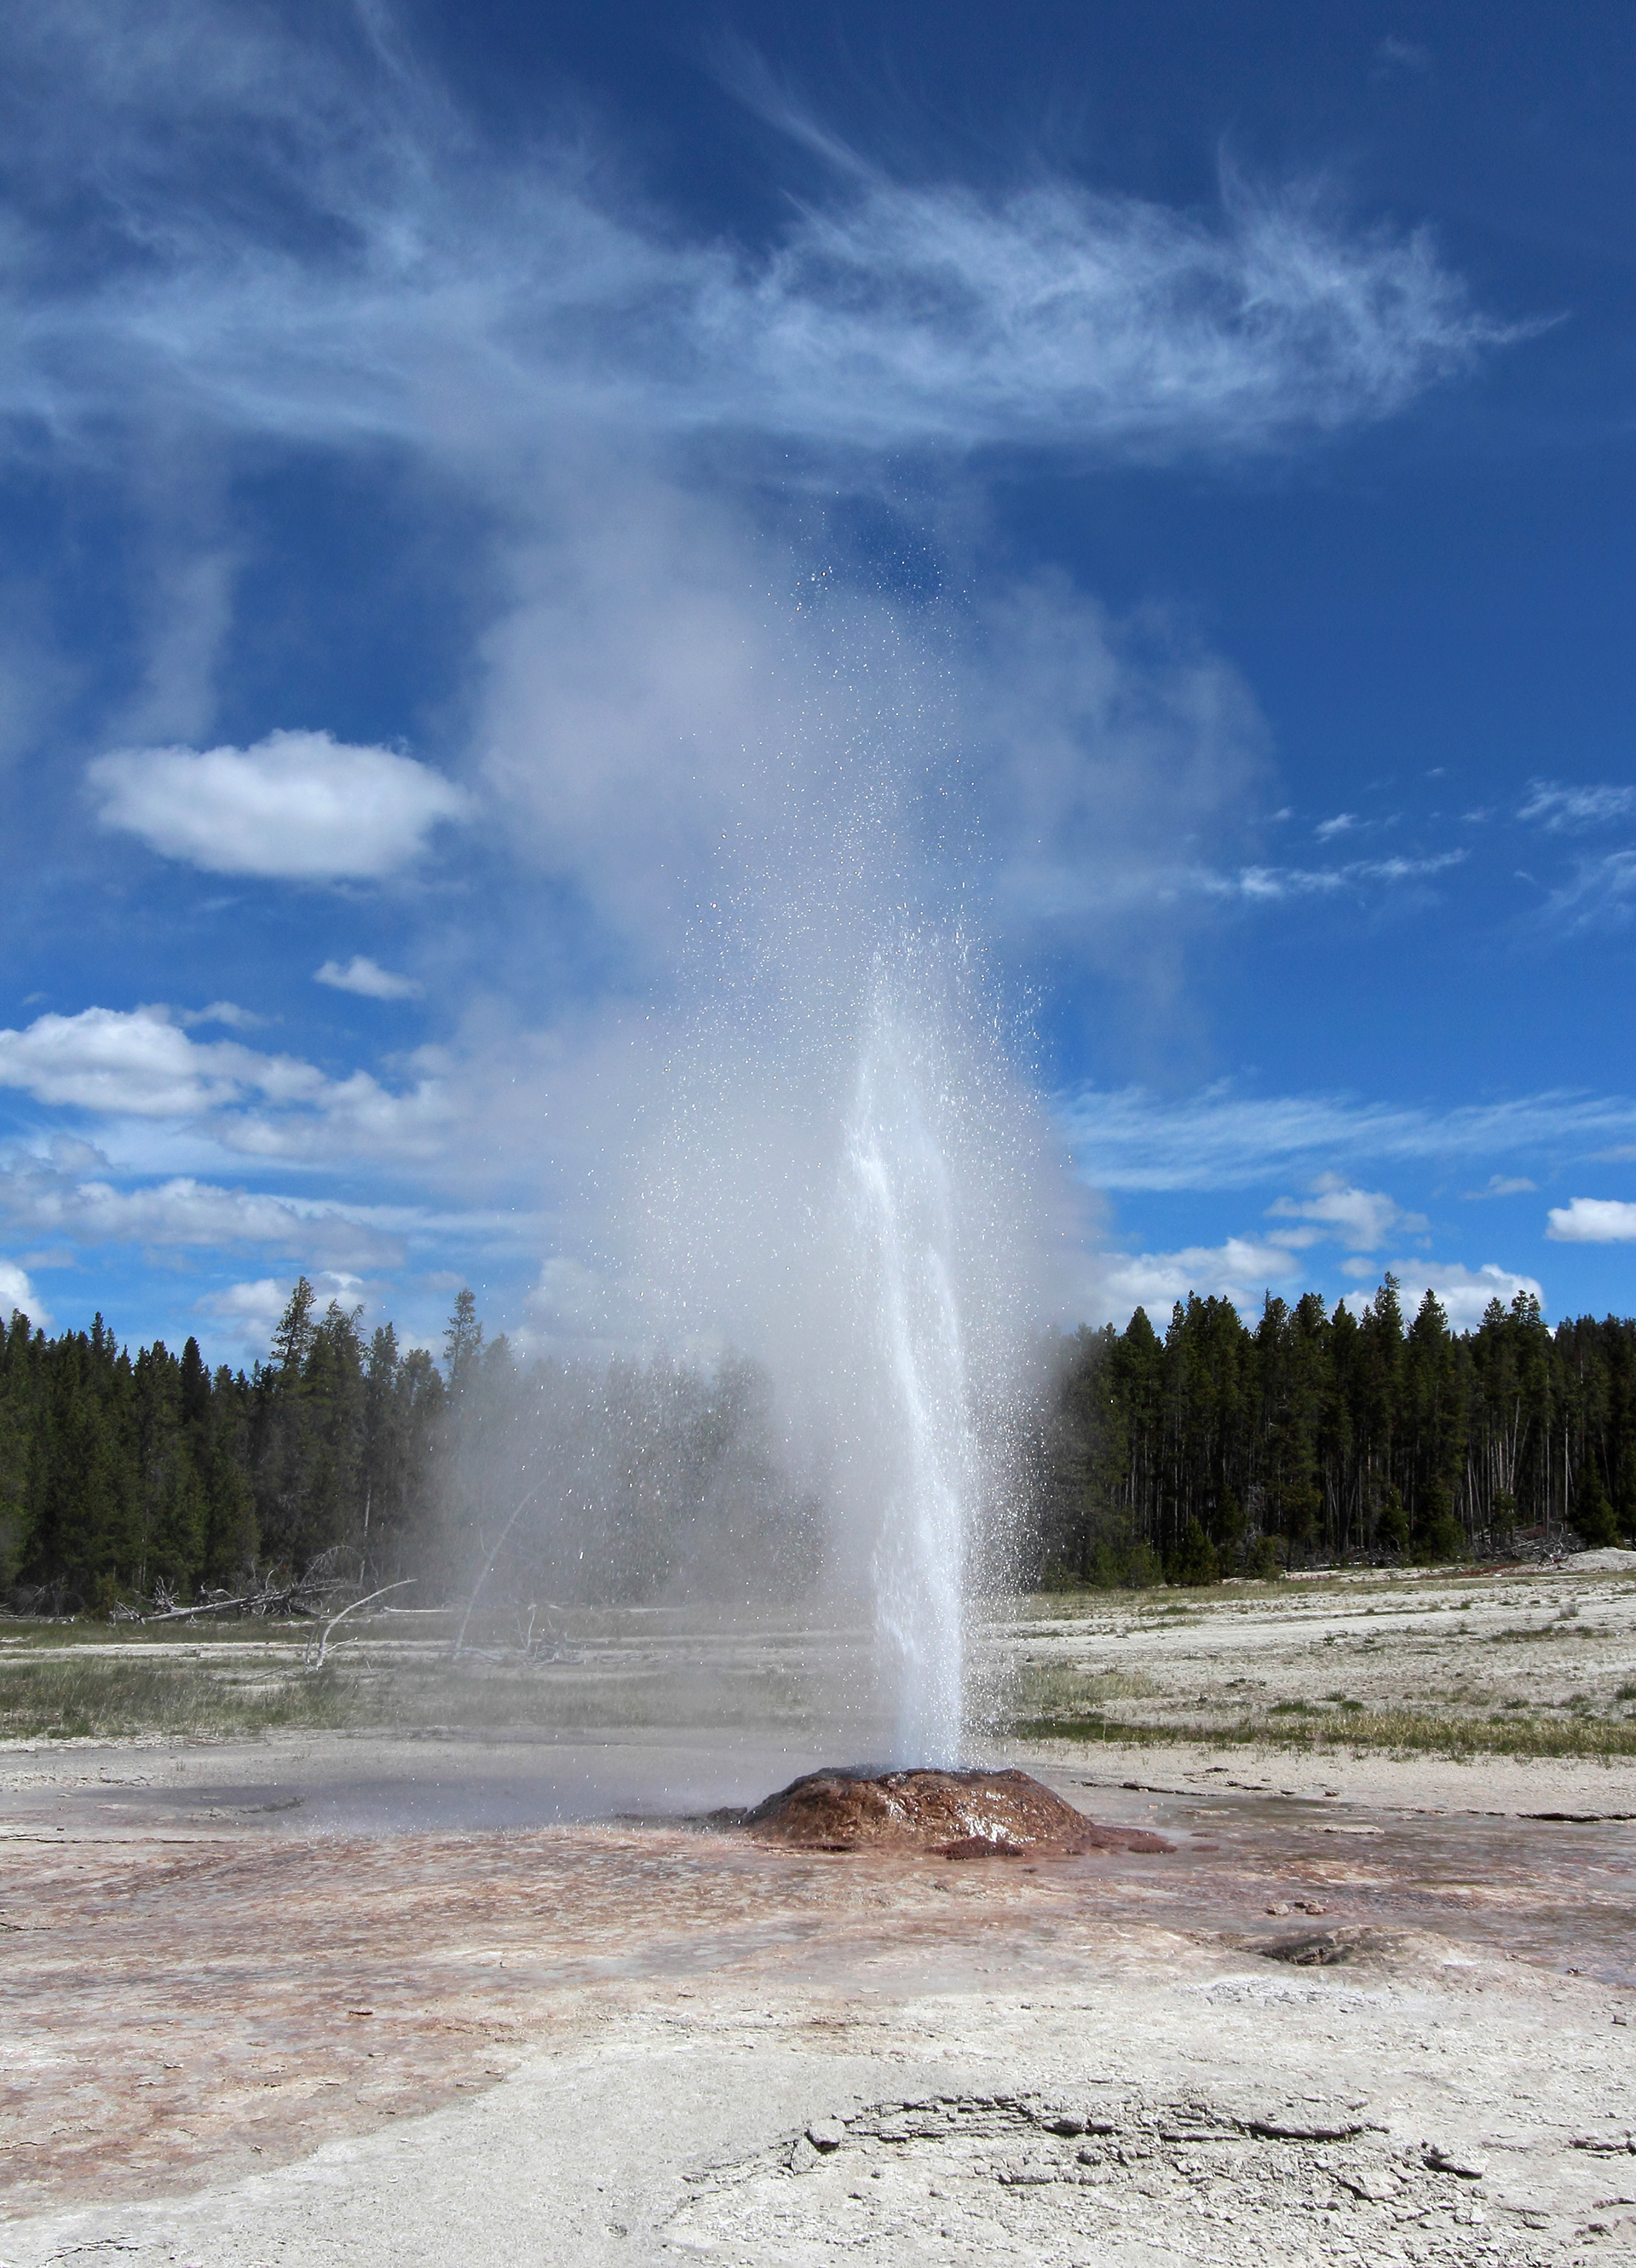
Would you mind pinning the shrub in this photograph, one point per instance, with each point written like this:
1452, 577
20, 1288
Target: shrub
1195, 1560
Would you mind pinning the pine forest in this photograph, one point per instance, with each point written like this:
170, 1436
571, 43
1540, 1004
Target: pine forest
1218, 1448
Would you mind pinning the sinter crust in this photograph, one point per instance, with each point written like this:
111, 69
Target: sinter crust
958, 1814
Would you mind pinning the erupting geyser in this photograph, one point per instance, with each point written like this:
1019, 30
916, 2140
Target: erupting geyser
904, 1200
847, 1178
846, 1188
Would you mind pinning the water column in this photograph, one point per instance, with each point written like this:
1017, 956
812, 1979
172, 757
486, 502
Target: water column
903, 1215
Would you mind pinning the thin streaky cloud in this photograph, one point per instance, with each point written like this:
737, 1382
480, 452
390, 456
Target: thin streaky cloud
1128, 1139
408, 284
1563, 809
1600, 893
1272, 883
41, 1198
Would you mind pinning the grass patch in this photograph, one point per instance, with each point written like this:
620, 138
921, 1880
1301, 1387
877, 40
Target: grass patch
483, 1698
1401, 1732
82, 1698
84, 1694
1059, 1692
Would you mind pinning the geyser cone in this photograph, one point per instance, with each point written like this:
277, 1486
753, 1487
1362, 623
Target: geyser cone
956, 1815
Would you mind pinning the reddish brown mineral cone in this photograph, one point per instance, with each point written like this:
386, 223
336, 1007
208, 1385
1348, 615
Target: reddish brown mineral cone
958, 1815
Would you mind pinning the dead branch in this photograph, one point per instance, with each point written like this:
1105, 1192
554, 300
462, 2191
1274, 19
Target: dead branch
308, 1661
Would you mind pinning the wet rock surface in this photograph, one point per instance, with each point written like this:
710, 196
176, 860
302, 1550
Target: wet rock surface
954, 1815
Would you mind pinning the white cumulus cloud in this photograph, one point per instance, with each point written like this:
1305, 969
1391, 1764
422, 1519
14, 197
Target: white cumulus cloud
1593, 1220
1240, 1269
248, 1312
1362, 1219
139, 1064
296, 806
17, 1293
1464, 1294
368, 978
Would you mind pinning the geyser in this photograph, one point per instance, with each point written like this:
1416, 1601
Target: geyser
843, 1173
847, 1187
904, 1197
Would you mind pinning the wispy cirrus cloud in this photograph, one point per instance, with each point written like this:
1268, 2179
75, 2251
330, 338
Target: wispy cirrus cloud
1269, 885
1600, 893
1126, 1138
379, 273
71, 1196
1567, 809
182, 1214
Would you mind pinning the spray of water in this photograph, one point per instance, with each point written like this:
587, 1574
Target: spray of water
904, 1202
845, 1175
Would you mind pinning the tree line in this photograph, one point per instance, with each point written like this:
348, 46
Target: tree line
153, 1477
1220, 1448
1311, 1435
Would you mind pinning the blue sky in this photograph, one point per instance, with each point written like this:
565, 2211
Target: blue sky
1195, 441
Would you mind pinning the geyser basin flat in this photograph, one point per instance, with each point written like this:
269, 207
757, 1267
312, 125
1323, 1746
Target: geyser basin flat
959, 1814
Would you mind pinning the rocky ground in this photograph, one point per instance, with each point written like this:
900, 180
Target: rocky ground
342, 1996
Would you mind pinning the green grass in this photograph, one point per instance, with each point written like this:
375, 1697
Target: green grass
85, 1693
82, 1698
1401, 1732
